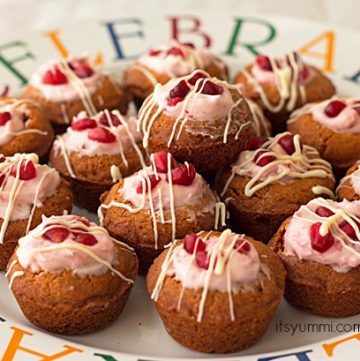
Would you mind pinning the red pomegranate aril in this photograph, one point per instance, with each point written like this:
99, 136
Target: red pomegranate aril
2, 180
304, 73
161, 161
86, 239
287, 143
153, 182
101, 135
57, 234
173, 101
320, 243
190, 242
81, 69
180, 90
263, 62
261, 159
242, 246
2, 159
198, 75
255, 143
27, 170
210, 88
189, 45
84, 221
183, 175
104, 120
154, 52
82, 124
54, 77
202, 259
348, 229
4, 118
324, 212
357, 109
176, 52
334, 108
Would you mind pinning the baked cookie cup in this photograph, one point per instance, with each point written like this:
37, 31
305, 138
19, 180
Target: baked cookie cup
333, 128
95, 152
349, 186
38, 190
71, 296
158, 204
162, 63
319, 248
269, 181
216, 292
64, 88
282, 84
197, 119
24, 128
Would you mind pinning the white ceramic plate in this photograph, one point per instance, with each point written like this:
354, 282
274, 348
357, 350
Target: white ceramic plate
139, 334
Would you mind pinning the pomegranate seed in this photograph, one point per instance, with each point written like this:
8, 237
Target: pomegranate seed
348, 229
262, 160
2, 159
81, 69
202, 259
4, 118
86, 239
324, 212
287, 143
57, 234
318, 242
101, 135
198, 75
83, 220
183, 175
82, 124
172, 102
304, 73
54, 77
27, 170
161, 161
2, 180
263, 62
154, 52
180, 90
190, 241
255, 143
176, 52
153, 182
242, 246
189, 45
334, 108
210, 88
104, 120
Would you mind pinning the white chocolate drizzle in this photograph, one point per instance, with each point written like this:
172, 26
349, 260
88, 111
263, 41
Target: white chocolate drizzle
288, 84
303, 163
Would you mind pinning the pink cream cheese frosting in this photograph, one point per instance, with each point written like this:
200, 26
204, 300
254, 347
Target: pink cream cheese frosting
177, 63
9, 130
163, 192
70, 91
346, 122
79, 141
238, 272
38, 252
284, 167
28, 192
281, 73
195, 105
344, 254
